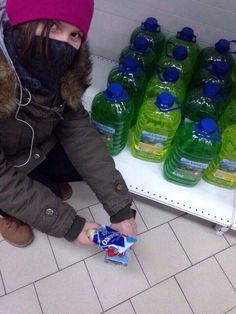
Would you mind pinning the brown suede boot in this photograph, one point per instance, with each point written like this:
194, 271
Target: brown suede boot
66, 190
15, 232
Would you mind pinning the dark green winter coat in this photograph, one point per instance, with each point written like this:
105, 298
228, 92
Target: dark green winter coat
54, 119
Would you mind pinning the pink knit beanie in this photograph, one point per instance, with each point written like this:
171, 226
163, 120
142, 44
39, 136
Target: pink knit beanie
76, 12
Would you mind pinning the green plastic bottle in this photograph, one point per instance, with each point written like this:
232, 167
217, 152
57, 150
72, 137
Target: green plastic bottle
220, 52
158, 120
133, 79
229, 115
204, 102
222, 170
111, 114
195, 145
151, 30
185, 38
141, 49
216, 72
166, 80
179, 59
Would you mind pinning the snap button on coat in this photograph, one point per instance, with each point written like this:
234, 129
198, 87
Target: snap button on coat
49, 212
119, 187
36, 156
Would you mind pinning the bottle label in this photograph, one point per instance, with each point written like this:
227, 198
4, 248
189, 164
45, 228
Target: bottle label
107, 133
151, 142
190, 169
226, 170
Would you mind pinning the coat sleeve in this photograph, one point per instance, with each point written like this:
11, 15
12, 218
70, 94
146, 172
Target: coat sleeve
88, 154
32, 202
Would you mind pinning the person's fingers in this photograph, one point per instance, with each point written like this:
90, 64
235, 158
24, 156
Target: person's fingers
85, 240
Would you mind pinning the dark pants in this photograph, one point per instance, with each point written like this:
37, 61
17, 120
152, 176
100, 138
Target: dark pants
54, 169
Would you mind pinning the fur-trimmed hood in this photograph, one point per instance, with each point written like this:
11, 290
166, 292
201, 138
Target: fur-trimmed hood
74, 82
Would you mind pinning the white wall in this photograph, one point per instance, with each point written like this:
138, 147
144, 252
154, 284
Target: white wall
114, 21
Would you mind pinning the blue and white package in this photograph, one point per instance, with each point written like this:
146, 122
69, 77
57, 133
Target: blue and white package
116, 245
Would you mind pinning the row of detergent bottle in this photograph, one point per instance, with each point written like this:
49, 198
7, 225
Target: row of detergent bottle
150, 95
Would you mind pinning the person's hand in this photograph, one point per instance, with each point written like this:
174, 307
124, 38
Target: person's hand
127, 227
83, 238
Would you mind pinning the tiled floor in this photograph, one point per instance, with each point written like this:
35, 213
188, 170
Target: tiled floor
179, 265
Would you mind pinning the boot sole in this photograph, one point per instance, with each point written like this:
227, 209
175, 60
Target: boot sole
20, 245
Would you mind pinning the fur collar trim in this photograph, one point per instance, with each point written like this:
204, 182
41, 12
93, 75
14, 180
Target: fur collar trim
74, 82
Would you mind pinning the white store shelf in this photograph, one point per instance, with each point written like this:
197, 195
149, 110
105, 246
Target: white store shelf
146, 178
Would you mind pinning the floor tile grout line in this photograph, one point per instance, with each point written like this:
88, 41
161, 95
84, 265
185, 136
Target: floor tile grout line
234, 288
150, 286
142, 268
5, 291
225, 249
87, 257
226, 240
89, 208
192, 264
93, 204
180, 243
99, 252
86, 266
163, 223
118, 304
17, 289
129, 299
132, 306
30, 283
38, 297
148, 228
152, 228
50, 244
143, 291
145, 231
122, 302
183, 293
173, 208
197, 263
212, 255
60, 270
34, 282
164, 206
53, 273
140, 215
91, 212
228, 312
136, 209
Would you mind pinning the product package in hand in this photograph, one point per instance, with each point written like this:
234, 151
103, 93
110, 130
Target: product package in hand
116, 245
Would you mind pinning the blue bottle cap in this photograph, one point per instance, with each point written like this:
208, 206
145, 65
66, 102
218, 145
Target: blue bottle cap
210, 89
186, 34
114, 91
129, 64
180, 52
165, 100
151, 25
140, 43
220, 68
222, 46
171, 74
206, 126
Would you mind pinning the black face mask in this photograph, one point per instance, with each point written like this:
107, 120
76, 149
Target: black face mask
50, 69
